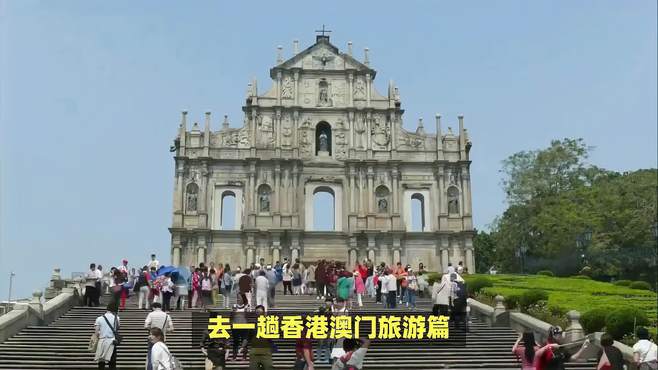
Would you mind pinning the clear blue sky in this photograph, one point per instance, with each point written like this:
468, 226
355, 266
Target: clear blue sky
91, 94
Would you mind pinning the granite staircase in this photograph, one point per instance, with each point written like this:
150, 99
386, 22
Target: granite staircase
63, 343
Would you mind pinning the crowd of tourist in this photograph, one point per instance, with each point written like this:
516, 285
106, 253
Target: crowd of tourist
339, 289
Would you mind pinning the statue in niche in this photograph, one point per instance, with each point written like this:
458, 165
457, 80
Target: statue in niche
191, 197
359, 89
264, 200
453, 200
324, 142
286, 131
286, 88
323, 97
305, 144
266, 131
382, 204
359, 130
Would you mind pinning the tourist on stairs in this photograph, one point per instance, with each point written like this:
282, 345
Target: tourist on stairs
161, 358
157, 319
107, 327
90, 286
526, 353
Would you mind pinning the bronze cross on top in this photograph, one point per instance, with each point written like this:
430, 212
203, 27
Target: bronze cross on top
323, 30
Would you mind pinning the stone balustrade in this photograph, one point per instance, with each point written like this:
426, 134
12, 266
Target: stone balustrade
60, 296
521, 322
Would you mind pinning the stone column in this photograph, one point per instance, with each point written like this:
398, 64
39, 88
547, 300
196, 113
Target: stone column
443, 203
295, 184
277, 131
470, 262
350, 91
368, 87
250, 256
278, 87
175, 256
352, 185
574, 331
445, 258
466, 189
395, 195
370, 195
296, 82
200, 255
277, 188
36, 305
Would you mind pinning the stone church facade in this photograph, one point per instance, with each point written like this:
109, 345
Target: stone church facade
322, 127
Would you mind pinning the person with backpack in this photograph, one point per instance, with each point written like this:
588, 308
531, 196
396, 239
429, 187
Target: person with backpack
526, 353
354, 355
157, 319
106, 328
644, 351
441, 291
459, 300
161, 358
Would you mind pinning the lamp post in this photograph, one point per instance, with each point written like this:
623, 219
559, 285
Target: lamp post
11, 283
582, 242
520, 252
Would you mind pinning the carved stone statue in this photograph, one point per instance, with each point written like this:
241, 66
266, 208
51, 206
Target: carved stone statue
380, 134
286, 132
382, 204
191, 197
323, 98
359, 130
286, 88
264, 200
453, 200
359, 89
324, 142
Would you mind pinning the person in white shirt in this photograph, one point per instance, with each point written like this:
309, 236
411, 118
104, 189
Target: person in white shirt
644, 351
353, 357
441, 292
90, 286
105, 327
450, 268
157, 319
391, 281
167, 291
460, 268
262, 286
153, 263
160, 356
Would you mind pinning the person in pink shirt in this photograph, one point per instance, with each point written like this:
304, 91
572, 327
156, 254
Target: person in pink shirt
526, 353
359, 287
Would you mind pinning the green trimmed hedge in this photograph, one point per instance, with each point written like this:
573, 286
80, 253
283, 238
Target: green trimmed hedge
594, 319
623, 321
545, 273
640, 285
582, 277
532, 297
622, 282
476, 284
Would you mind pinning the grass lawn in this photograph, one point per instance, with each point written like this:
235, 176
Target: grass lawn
574, 294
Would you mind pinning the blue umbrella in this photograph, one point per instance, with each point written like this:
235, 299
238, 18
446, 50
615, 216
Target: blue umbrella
182, 276
167, 270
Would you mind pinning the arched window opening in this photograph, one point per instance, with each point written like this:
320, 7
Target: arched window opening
191, 197
453, 200
323, 139
417, 212
382, 197
264, 198
228, 221
324, 209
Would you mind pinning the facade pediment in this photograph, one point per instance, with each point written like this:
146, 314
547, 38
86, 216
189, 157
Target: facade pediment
322, 57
